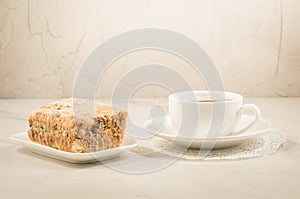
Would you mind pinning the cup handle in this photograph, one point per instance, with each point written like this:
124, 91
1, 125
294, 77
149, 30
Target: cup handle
256, 112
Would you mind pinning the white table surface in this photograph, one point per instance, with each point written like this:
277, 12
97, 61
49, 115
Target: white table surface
27, 175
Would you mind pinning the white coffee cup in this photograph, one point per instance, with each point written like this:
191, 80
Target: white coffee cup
198, 114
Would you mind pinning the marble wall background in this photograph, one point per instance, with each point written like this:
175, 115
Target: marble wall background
254, 43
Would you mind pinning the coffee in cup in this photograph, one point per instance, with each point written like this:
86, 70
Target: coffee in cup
198, 114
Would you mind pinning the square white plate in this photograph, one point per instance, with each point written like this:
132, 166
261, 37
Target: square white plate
23, 140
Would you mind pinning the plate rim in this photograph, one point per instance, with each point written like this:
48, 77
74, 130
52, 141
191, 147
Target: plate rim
68, 156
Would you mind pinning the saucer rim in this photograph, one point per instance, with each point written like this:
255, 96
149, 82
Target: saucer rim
200, 139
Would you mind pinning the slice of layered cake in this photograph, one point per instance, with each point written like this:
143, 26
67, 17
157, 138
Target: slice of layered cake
67, 126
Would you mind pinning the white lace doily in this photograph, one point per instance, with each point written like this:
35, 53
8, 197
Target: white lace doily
261, 146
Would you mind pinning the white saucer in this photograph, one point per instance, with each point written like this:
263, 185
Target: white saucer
22, 139
166, 131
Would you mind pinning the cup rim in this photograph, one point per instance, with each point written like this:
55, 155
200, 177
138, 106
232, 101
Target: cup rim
174, 96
